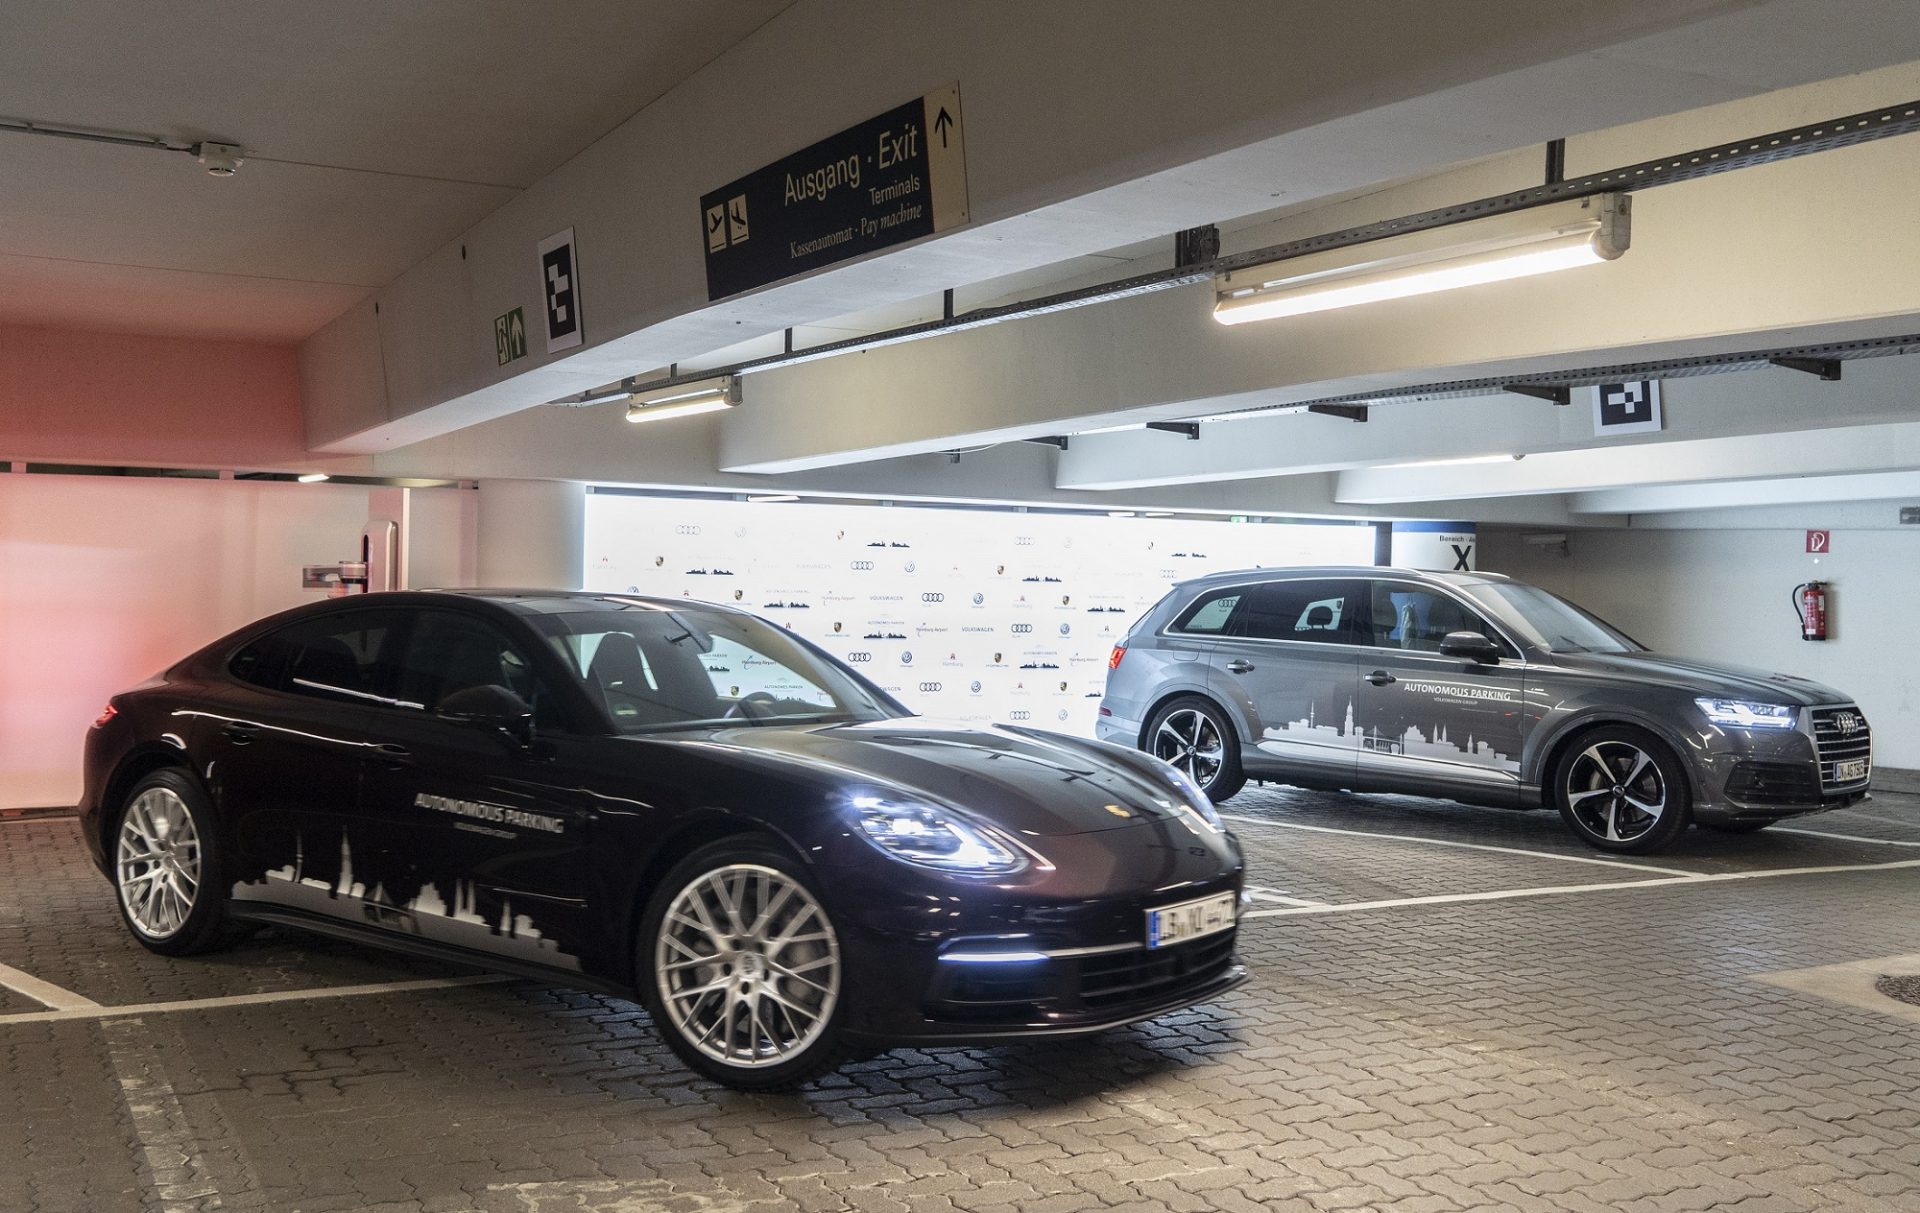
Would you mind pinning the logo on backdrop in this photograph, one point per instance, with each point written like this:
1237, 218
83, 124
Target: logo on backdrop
560, 283
1626, 408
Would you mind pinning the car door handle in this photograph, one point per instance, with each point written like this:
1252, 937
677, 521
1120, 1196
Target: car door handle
391, 755
240, 732
1239, 665
1381, 678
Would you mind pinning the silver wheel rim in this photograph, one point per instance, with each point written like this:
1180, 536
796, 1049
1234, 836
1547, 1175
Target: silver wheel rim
1616, 790
157, 863
1190, 740
748, 966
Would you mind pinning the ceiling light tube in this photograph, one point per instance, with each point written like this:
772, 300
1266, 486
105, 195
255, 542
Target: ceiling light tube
685, 400
312, 477
1539, 240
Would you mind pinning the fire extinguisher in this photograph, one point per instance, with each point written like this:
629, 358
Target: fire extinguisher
1810, 603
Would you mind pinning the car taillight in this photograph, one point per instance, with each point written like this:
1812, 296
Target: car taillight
107, 713
1113, 658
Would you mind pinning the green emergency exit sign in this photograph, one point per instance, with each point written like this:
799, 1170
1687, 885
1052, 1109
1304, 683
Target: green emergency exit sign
509, 337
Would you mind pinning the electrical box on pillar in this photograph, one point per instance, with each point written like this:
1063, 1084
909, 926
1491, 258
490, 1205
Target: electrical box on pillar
1810, 603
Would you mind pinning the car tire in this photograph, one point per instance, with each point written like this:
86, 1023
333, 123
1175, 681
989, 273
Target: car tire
1195, 735
1736, 827
165, 862
742, 968
1622, 789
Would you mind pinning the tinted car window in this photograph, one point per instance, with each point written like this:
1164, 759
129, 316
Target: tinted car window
1415, 619
1208, 615
449, 652
1324, 611
334, 656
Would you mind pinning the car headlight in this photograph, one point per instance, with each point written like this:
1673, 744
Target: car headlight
933, 838
1190, 790
1746, 714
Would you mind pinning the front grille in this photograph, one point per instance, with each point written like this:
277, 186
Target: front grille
1101, 984
1840, 734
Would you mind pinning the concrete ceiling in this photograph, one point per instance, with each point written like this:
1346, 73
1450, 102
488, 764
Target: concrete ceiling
376, 132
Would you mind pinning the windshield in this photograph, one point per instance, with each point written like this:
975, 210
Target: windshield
1550, 621
659, 669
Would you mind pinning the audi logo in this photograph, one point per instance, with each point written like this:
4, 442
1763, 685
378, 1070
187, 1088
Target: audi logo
1020, 714
686, 528
1023, 541
1020, 629
858, 658
933, 596
861, 566
1847, 722
928, 688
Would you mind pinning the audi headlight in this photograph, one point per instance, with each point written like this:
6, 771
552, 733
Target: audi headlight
933, 838
1745, 714
1190, 791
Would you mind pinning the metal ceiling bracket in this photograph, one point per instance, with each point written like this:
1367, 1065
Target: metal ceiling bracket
1190, 428
1552, 393
1352, 412
1059, 440
1196, 246
1826, 368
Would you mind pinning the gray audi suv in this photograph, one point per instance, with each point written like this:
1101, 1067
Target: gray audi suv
1477, 688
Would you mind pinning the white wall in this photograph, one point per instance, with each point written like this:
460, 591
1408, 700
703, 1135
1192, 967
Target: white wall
104, 581
1725, 595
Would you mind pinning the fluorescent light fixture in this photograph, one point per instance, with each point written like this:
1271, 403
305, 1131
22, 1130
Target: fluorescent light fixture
685, 400
1557, 236
776, 497
1119, 513
312, 477
1453, 463
607, 397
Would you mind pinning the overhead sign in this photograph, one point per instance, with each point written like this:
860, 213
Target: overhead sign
891, 179
1626, 408
1819, 542
1446, 547
509, 337
560, 283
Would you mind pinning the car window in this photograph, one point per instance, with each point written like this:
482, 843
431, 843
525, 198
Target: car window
1409, 617
449, 651
738, 671
1208, 615
1323, 611
340, 655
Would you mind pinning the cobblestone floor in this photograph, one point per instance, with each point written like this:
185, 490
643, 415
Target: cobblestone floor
1579, 1036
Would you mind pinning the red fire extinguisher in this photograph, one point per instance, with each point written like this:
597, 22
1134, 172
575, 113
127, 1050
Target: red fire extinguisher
1810, 603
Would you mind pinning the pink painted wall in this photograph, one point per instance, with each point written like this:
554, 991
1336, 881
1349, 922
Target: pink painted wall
68, 396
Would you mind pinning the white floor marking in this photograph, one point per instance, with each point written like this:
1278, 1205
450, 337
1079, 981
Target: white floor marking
1854, 983
1888, 842
167, 1142
93, 1010
1259, 894
1556, 890
43, 992
1470, 846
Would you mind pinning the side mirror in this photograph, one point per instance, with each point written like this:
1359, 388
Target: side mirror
1470, 645
493, 708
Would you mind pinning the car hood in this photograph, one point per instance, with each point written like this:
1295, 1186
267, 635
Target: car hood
1706, 677
1026, 781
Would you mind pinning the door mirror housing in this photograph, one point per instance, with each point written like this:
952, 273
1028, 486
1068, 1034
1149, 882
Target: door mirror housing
1470, 645
492, 708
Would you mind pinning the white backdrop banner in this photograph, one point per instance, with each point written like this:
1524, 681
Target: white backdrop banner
971, 615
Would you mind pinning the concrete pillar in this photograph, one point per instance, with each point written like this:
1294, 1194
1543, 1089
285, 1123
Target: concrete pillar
532, 533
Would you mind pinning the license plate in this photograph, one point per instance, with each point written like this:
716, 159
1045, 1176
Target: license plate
1190, 920
1848, 772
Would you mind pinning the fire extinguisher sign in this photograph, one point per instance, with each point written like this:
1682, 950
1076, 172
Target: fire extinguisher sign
1819, 543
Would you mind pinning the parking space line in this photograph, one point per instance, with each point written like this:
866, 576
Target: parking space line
1557, 890
1470, 846
87, 1009
43, 992
1889, 842
1257, 893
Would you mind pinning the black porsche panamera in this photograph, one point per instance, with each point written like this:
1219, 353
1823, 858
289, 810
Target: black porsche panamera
666, 800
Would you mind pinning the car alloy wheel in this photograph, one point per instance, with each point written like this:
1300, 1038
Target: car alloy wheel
1622, 789
748, 967
158, 863
1190, 739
